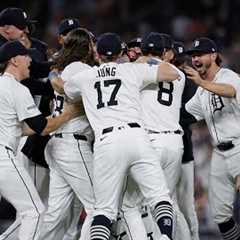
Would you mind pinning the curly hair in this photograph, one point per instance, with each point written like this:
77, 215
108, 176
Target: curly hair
77, 47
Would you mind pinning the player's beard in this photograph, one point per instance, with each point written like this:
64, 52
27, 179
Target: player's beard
204, 69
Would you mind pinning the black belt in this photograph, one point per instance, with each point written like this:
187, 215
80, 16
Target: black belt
224, 146
75, 135
166, 132
110, 129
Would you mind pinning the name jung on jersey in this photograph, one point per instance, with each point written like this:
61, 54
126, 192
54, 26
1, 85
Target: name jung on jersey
107, 72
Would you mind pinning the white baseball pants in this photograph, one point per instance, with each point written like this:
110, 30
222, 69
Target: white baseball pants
224, 169
185, 198
17, 187
70, 163
125, 151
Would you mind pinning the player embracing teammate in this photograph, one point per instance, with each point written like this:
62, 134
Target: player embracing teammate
134, 112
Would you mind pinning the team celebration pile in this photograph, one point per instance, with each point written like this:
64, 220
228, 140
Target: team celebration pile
106, 126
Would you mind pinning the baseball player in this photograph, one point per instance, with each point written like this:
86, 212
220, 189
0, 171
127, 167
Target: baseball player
69, 153
217, 101
30, 150
65, 26
162, 99
185, 188
73, 232
18, 107
168, 53
111, 97
35, 145
134, 49
14, 23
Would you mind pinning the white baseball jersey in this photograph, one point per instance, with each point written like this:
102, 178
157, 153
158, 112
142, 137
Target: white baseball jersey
111, 92
79, 124
221, 114
14, 108
161, 103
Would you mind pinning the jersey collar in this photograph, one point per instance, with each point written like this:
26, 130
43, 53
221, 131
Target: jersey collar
6, 74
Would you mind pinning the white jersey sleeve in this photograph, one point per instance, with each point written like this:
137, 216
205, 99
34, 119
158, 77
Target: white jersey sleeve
73, 69
194, 106
71, 85
149, 72
24, 104
233, 79
146, 72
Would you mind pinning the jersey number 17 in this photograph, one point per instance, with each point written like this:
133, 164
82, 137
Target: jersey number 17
112, 100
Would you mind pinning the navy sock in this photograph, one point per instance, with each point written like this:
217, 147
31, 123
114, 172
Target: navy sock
100, 228
163, 214
229, 230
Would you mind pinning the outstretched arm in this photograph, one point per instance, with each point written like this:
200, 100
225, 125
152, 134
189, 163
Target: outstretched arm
43, 126
166, 72
221, 89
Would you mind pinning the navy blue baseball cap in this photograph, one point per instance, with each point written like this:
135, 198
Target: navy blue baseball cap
135, 42
167, 41
179, 48
203, 45
154, 41
12, 49
109, 44
16, 17
66, 25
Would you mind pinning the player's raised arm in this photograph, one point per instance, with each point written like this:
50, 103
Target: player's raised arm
158, 70
166, 72
206, 69
221, 89
43, 126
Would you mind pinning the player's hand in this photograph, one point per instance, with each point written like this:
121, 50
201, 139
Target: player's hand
25, 40
56, 81
237, 183
142, 59
193, 75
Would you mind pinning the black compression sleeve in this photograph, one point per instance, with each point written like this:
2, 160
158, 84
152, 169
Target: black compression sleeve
37, 123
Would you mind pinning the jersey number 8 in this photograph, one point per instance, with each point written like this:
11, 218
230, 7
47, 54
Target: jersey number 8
165, 89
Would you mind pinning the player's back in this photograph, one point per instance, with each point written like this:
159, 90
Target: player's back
80, 123
111, 93
161, 103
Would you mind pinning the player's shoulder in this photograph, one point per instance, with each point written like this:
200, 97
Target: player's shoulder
85, 73
74, 68
126, 65
77, 66
21, 90
226, 75
133, 65
38, 44
227, 72
11, 85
